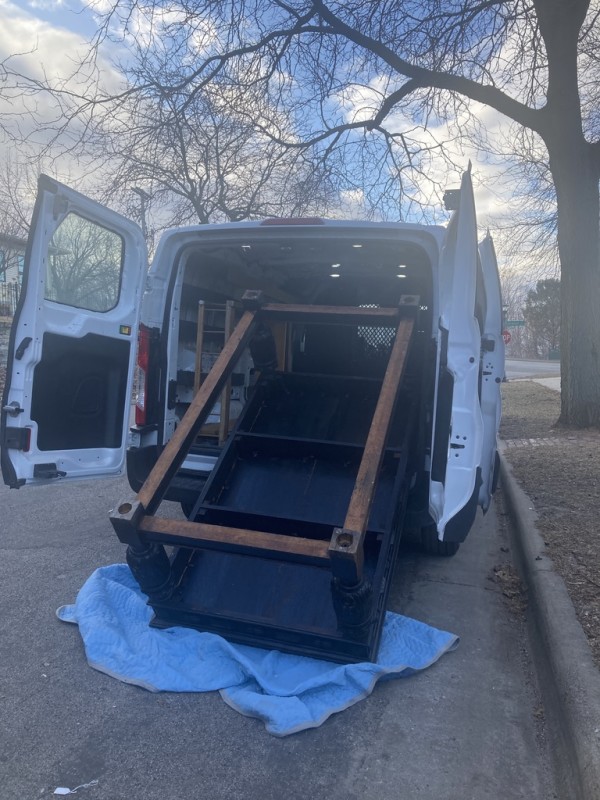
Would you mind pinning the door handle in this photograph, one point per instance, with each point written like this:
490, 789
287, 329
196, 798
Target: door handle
22, 347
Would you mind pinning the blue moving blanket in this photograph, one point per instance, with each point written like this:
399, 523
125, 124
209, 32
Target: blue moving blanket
289, 693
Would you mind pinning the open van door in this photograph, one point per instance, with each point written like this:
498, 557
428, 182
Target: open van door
458, 431
492, 370
66, 402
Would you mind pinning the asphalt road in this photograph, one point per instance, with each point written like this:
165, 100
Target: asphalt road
469, 728
520, 368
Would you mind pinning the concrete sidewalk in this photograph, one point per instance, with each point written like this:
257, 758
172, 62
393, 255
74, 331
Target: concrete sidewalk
551, 383
568, 678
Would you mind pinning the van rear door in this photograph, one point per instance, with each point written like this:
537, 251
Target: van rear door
66, 403
458, 426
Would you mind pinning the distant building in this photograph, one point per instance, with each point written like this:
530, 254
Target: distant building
12, 261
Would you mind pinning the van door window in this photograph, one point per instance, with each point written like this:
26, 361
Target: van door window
84, 265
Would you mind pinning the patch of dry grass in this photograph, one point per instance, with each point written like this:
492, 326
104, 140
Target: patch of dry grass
529, 411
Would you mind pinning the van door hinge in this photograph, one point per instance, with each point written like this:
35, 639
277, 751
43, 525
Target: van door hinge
13, 409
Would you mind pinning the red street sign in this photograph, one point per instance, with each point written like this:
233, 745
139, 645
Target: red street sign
506, 336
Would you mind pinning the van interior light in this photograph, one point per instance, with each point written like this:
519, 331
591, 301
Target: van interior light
401, 275
357, 245
335, 275
293, 221
335, 266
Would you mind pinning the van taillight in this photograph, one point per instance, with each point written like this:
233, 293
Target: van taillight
141, 375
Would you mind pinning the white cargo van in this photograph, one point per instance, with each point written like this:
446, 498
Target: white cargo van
88, 297
95, 328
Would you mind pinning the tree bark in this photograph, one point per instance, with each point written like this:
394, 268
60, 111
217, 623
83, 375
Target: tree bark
575, 174
575, 170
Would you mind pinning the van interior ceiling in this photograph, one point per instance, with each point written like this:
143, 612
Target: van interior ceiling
302, 271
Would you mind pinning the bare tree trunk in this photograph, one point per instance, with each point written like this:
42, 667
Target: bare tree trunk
575, 171
576, 179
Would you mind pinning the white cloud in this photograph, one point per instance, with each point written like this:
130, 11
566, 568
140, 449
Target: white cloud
34, 50
36, 42
46, 5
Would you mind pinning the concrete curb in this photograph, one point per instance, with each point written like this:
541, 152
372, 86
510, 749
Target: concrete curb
569, 681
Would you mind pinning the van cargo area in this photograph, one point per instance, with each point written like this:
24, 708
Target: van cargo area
336, 267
